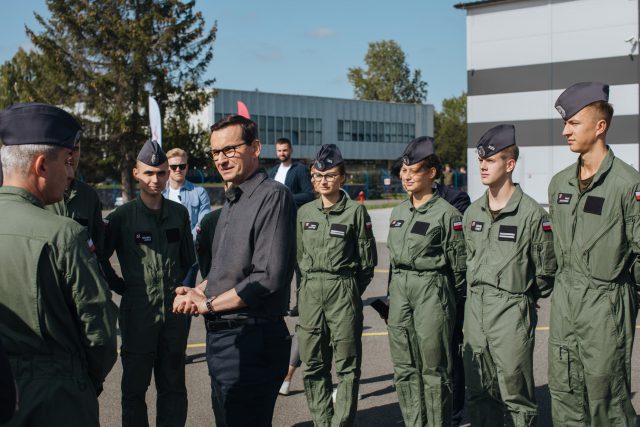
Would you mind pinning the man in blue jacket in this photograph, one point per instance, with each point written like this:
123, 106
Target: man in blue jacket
195, 199
294, 175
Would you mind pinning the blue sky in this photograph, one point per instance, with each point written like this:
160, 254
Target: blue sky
304, 47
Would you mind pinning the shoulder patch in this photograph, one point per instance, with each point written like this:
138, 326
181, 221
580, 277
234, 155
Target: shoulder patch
91, 246
457, 225
198, 229
637, 196
546, 225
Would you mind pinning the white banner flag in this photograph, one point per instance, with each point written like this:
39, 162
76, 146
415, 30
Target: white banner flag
155, 121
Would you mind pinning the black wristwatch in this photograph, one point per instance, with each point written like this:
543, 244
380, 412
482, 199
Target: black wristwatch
210, 305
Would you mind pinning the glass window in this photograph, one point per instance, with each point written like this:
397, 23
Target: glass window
262, 123
387, 132
303, 124
278, 125
340, 129
318, 125
303, 138
294, 138
270, 123
287, 125
367, 131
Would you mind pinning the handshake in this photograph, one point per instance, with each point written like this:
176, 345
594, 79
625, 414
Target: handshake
191, 301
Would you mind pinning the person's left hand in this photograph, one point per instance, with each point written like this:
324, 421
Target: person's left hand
189, 301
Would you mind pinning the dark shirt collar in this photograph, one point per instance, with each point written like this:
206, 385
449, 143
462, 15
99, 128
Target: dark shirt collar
248, 186
163, 210
21, 192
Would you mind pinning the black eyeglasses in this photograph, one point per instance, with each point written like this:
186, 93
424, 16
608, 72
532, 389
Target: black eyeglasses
181, 166
330, 177
229, 151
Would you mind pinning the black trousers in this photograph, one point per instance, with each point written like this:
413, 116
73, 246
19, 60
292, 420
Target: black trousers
247, 366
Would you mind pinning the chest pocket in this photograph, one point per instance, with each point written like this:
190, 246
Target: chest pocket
507, 266
173, 235
605, 253
425, 246
340, 242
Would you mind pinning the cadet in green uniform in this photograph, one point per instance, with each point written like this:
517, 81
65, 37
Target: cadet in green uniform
510, 264
58, 322
81, 203
205, 232
426, 247
336, 255
595, 208
152, 238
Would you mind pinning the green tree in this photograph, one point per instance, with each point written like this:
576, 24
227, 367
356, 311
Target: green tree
107, 57
387, 77
451, 130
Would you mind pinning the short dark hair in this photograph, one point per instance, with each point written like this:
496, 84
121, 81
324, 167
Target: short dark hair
511, 152
284, 141
249, 128
605, 110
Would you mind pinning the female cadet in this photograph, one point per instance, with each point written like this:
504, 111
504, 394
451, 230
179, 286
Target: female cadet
426, 247
337, 255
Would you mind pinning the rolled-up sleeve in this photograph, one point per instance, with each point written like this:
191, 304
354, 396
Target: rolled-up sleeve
274, 249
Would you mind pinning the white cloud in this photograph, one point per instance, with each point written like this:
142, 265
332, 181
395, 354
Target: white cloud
321, 33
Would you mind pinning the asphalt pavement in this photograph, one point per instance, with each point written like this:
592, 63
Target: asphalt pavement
379, 403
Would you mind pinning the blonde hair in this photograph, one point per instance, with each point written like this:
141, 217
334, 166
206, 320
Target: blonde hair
177, 152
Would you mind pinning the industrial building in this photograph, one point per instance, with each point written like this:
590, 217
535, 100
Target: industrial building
364, 130
521, 54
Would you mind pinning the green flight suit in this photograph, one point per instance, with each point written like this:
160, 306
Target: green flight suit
426, 247
205, 232
594, 303
155, 250
58, 321
336, 253
510, 264
82, 204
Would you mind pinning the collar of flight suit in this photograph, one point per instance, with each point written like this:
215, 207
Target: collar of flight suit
22, 193
512, 204
164, 212
425, 206
604, 168
337, 207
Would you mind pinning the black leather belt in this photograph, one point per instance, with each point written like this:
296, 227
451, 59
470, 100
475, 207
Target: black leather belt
214, 325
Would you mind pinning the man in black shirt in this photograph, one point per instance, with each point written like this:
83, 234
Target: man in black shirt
246, 293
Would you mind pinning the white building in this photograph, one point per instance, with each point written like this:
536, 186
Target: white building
522, 54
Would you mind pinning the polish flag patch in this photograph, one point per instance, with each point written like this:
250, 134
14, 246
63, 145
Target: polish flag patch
91, 246
368, 225
546, 225
637, 196
457, 225
198, 229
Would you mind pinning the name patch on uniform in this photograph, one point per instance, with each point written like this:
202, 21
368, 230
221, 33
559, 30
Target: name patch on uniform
477, 226
546, 225
457, 225
397, 223
338, 230
564, 198
420, 228
173, 235
311, 226
508, 233
593, 205
142, 237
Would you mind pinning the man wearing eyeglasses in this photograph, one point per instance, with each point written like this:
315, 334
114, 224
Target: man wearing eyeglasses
246, 293
195, 199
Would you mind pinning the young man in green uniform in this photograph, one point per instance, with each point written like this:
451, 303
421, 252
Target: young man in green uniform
152, 237
58, 322
427, 277
81, 203
595, 208
510, 265
336, 253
